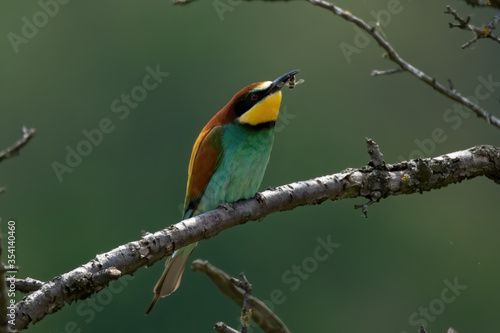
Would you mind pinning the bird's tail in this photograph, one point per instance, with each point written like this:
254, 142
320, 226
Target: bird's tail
171, 277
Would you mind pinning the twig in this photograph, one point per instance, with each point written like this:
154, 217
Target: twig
479, 32
9, 268
386, 72
14, 150
394, 56
494, 21
246, 310
364, 207
181, 2
261, 314
409, 177
484, 3
27, 285
223, 328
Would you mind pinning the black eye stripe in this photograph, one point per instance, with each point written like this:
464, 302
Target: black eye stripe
247, 102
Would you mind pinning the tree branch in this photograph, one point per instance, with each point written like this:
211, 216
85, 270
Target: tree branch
409, 177
14, 149
406, 66
484, 3
261, 313
246, 310
479, 32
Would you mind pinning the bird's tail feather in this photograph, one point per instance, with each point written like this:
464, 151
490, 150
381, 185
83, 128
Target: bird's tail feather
171, 277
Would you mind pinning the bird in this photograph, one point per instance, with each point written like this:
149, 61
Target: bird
228, 162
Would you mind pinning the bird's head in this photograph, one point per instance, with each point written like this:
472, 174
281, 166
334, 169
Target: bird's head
257, 105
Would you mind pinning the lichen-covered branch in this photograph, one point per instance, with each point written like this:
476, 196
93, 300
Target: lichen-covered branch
414, 176
80, 283
15, 148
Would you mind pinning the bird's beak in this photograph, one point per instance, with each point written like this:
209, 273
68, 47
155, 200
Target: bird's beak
280, 82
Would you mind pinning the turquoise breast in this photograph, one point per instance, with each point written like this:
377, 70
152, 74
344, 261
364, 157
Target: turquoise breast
242, 167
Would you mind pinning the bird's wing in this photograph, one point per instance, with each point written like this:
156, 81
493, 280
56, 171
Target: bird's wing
205, 159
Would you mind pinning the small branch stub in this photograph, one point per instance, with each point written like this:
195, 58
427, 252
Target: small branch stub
27, 285
223, 328
377, 158
376, 72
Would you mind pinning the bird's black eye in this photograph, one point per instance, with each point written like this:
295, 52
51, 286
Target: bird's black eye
254, 97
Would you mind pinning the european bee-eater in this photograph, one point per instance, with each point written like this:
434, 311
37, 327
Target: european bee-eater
228, 162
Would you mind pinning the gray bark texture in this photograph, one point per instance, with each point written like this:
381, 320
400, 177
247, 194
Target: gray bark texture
373, 183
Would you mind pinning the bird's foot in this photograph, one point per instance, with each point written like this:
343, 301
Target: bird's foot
225, 205
259, 197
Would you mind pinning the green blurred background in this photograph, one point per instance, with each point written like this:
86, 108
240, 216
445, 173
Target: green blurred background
64, 79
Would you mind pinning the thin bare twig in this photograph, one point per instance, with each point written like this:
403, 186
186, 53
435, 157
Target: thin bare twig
479, 32
364, 207
14, 149
181, 2
376, 72
484, 3
395, 57
494, 21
